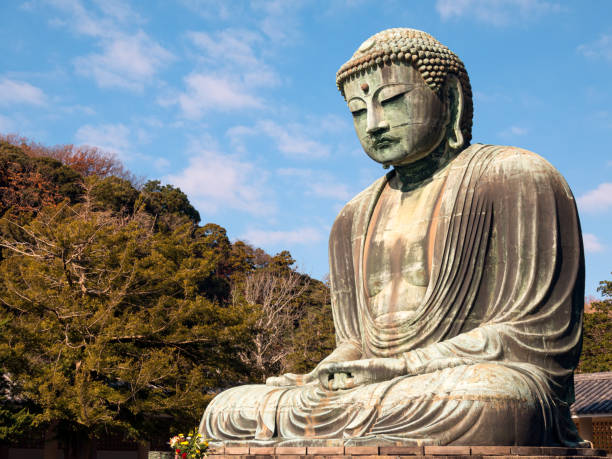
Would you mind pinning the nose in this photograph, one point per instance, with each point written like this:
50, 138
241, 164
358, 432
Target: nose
380, 127
376, 122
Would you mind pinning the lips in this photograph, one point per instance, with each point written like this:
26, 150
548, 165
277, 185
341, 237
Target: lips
384, 142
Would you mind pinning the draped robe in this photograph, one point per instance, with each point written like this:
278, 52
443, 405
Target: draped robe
492, 346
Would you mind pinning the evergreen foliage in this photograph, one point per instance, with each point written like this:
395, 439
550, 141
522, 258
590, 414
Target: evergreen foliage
597, 335
119, 313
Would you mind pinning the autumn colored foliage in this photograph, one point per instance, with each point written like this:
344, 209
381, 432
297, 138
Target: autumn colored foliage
84, 159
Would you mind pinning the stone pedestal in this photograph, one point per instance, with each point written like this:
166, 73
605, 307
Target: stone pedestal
408, 452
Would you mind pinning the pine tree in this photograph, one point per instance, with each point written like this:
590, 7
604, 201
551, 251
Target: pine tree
108, 326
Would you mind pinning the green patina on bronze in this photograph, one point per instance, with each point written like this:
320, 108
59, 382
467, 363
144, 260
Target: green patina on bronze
457, 281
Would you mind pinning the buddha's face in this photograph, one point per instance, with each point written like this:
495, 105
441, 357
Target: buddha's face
398, 118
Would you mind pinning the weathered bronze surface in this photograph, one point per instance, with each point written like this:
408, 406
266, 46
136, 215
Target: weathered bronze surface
457, 282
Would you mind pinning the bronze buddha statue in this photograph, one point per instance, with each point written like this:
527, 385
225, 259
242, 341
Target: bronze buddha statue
457, 281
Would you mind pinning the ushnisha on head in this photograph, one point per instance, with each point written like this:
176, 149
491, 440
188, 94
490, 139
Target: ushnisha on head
436, 94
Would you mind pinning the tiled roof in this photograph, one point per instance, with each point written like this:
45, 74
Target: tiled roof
593, 393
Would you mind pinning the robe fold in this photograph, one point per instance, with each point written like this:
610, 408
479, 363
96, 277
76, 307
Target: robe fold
492, 346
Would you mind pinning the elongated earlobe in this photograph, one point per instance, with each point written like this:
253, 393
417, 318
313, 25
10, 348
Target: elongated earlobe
455, 101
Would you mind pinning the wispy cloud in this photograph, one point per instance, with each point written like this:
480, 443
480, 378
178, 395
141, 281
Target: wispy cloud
514, 131
232, 47
592, 243
20, 92
317, 183
258, 237
277, 19
215, 181
231, 75
128, 58
214, 9
119, 10
292, 139
234, 65
208, 92
496, 12
110, 137
126, 61
599, 49
597, 200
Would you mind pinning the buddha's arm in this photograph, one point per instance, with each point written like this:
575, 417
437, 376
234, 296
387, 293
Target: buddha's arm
480, 344
347, 351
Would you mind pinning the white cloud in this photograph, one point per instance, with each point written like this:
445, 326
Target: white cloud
292, 139
514, 131
235, 46
215, 181
600, 49
128, 60
318, 183
206, 92
597, 200
592, 243
214, 9
279, 20
119, 10
232, 76
496, 12
20, 92
109, 137
306, 235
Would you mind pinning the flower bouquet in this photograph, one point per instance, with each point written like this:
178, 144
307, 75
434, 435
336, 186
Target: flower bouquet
192, 446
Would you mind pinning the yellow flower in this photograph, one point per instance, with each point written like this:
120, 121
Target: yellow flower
184, 443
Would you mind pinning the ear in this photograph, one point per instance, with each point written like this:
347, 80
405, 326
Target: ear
454, 97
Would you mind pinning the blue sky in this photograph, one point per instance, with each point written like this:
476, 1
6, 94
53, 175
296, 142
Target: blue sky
235, 102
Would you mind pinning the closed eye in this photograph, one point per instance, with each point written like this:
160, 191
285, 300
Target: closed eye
393, 98
360, 112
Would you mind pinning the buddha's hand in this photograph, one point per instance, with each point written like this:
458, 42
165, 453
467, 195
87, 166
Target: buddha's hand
346, 375
290, 379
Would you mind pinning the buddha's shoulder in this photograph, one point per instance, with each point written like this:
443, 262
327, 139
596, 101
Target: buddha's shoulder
365, 196
359, 204
503, 160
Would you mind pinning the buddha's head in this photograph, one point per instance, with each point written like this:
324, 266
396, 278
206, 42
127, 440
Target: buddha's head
409, 96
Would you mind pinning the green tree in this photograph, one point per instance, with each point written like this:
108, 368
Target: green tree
597, 335
113, 193
108, 326
167, 200
119, 313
